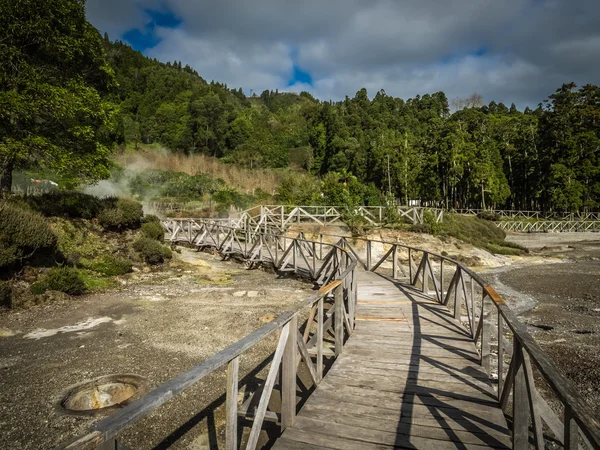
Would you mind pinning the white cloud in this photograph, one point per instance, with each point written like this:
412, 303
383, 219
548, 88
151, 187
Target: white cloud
406, 47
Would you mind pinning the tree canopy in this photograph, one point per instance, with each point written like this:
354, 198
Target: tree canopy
53, 78
67, 95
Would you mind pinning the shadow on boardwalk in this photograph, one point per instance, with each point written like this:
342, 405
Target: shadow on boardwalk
409, 377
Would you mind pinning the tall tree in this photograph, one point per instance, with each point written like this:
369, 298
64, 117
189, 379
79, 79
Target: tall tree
52, 75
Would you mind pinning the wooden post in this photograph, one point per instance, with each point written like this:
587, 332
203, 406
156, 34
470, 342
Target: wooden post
352, 300
288, 377
294, 244
339, 318
321, 246
500, 353
369, 255
442, 292
485, 336
314, 259
320, 339
410, 269
520, 402
425, 287
571, 440
394, 264
231, 405
457, 294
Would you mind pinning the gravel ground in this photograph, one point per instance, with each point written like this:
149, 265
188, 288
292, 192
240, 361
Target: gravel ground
561, 304
156, 326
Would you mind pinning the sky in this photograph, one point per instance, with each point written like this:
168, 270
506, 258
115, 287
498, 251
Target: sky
511, 51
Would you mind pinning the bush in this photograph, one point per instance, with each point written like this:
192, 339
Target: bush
62, 279
152, 251
5, 294
111, 266
488, 215
153, 230
150, 218
430, 221
75, 205
23, 233
421, 228
126, 214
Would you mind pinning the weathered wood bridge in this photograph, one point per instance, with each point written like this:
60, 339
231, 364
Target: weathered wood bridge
422, 353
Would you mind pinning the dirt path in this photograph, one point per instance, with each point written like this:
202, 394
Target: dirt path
157, 326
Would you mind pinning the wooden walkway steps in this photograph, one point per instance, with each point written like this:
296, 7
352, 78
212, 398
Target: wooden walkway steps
409, 377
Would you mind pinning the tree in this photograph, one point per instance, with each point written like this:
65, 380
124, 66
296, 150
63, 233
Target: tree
53, 73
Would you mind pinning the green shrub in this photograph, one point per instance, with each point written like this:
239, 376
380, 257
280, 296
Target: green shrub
153, 230
151, 250
62, 279
421, 228
503, 250
5, 294
23, 233
111, 266
488, 215
126, 214
75, 205
150, 218
430, 221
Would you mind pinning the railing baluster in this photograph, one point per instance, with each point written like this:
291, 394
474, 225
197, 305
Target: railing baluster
500, 353
339, 318
231, 405
571, 439
520, 402
320, 339
288, 377
457, 296
394, 263
486, 334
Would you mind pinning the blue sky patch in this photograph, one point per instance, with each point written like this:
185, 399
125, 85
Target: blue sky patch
300, 76
144, 39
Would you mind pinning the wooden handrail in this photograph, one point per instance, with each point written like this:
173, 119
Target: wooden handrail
107, 429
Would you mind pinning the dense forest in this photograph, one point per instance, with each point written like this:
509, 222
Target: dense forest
104, 93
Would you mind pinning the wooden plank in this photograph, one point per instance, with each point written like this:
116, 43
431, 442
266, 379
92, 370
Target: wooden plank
416, 413
394, 401
377, 437
436, 389
396, 426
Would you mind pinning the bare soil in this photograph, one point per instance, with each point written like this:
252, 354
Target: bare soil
157, 326
561, 304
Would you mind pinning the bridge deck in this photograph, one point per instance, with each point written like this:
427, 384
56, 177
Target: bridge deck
408, 378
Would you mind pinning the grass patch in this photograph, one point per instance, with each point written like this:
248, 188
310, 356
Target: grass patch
479, 233
112, 266
94, 283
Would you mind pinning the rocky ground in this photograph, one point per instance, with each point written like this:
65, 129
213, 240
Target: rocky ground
561, 303
162, 323
157, 325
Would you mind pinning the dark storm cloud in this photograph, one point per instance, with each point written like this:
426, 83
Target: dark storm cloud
513, 50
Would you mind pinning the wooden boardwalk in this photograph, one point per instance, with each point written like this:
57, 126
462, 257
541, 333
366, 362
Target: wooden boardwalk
409, 377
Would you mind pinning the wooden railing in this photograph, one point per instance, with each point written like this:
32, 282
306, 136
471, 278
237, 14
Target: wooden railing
488, 320
510, 355
543, 226
541, 215
281, 216
315, 329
